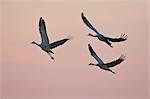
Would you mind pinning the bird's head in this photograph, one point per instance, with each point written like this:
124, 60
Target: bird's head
89, 34
33, 42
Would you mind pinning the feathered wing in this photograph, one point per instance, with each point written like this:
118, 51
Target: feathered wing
42, 29
88, 23
95, 55
123, 37
58, 43
116, 62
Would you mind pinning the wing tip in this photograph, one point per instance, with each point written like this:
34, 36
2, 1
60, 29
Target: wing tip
122, 57
90, 47
82, 15
69, 37
41, 21
124, 36
41, 18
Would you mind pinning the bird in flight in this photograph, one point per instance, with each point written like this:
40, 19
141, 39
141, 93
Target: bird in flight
45, 45
101, 37
101, 64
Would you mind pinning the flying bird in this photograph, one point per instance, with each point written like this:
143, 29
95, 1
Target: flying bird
45, 45
101, 64
101, 37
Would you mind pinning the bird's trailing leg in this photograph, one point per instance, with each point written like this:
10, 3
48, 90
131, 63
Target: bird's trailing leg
113, 72
50, 55
110, 71
108, 43
51, 51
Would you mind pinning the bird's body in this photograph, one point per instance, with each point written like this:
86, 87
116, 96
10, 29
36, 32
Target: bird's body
101, 64
46, 49
101, 37
45, 45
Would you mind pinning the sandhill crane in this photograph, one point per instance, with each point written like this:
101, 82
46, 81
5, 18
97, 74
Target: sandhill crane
101, 64
101, 37
45, 41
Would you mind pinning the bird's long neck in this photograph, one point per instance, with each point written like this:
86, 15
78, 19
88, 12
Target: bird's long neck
92, 35
36, 43
93, 64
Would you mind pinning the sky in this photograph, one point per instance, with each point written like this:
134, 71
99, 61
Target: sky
29, 73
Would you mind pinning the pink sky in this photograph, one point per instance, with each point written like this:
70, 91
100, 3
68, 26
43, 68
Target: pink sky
29, 73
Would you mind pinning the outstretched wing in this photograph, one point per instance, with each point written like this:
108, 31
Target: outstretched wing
58, 43
123, 37
95, 55
116, 62
88, 23
42, 29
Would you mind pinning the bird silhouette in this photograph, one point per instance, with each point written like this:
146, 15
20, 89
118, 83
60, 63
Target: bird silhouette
101, 37
101, 64
45, 45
